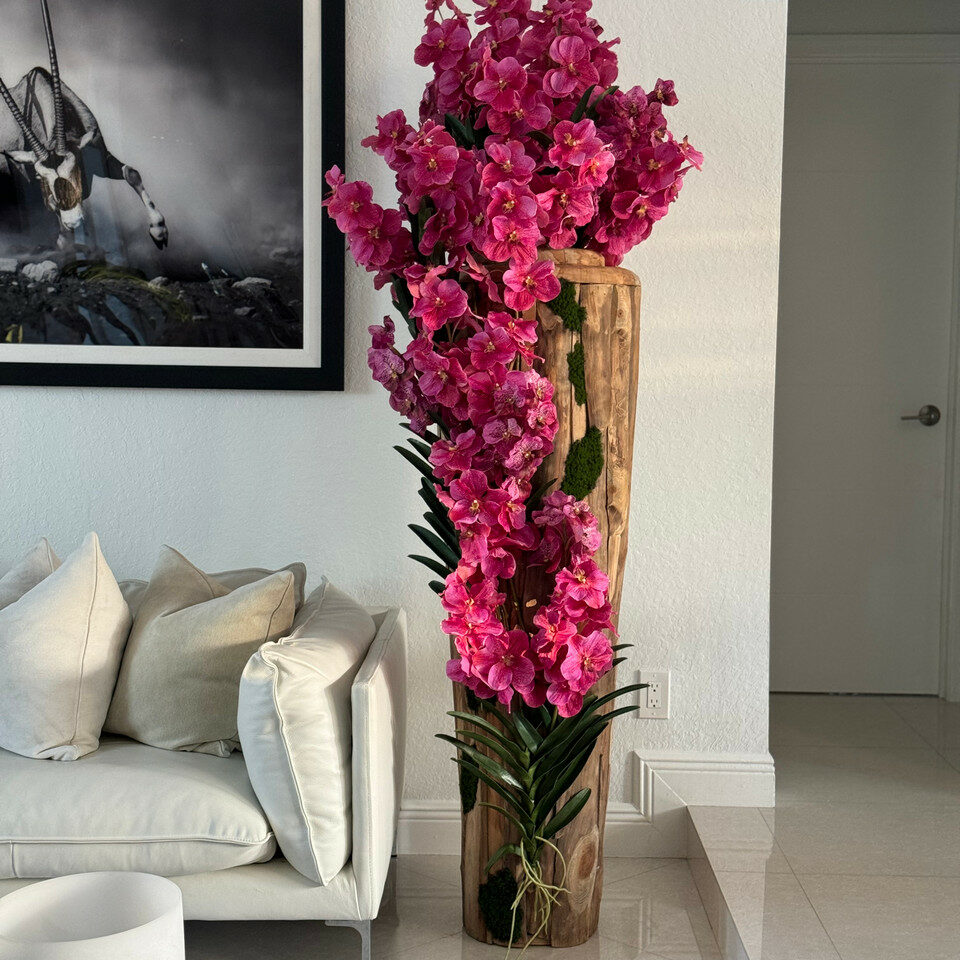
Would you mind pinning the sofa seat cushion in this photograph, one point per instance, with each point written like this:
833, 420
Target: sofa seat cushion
129, 807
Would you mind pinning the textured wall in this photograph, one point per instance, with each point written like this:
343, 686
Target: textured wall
269, 478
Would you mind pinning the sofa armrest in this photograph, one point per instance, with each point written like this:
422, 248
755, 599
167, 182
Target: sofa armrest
379, 704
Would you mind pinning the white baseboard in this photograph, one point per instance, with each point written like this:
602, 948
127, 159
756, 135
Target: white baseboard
653, 825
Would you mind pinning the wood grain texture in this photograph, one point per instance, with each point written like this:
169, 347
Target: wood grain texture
611, 340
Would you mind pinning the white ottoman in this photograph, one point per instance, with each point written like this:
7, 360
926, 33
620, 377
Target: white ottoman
93, 916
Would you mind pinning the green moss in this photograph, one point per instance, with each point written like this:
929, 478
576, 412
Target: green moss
584, 465
568, 308
468, 789
576, 373
496, 898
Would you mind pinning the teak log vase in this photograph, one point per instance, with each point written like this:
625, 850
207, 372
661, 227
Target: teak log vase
611, 340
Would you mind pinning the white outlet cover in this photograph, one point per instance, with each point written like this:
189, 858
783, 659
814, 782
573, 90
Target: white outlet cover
655, 699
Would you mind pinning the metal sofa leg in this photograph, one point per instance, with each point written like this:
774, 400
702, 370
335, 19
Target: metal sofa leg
364, 928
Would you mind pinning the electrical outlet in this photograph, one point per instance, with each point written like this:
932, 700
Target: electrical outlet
655, 699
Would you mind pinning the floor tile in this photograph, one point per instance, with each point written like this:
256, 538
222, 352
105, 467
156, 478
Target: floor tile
738, 839
869, 838
774, 918
937, 721
838, 721
659, 912
889, 918
864, 774
653, 904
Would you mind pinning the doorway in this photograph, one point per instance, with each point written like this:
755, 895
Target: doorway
862, 528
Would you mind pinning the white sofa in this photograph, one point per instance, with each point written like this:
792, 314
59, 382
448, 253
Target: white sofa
195, 817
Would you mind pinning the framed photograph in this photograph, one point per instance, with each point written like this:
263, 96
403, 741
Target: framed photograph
161, 178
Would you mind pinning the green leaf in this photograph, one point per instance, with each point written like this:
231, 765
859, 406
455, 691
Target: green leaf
443, 551
583, 103
524, 831
493, 784
423, 448
446, 530
561, 783
506, 754
438, 568
528, 734
418, 462
483, 761
566, 813
500, 854
460, 132
488, 727
617, 647
437, 587
430, 498
592, 109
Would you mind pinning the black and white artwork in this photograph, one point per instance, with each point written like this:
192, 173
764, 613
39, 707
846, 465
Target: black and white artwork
161, 172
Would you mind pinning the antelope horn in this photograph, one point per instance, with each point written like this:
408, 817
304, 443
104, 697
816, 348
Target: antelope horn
59, 132
31, 138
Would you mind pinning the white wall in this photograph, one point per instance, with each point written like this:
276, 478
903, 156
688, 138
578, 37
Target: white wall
269, 478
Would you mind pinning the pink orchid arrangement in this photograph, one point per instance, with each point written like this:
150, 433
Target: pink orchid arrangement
523, 143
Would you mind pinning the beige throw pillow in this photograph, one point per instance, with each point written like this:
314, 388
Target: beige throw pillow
37, 565
135, 590
192, 637
60, 649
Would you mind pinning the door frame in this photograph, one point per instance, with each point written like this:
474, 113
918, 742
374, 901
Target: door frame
919, 48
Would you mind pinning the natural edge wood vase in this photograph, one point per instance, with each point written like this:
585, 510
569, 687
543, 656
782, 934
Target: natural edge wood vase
610, 337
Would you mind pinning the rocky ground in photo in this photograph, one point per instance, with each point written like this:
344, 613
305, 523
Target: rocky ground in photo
94, 302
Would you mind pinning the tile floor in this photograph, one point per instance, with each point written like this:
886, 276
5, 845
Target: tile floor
651, 911
860, 860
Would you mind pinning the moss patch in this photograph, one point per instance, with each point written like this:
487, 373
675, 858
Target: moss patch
584, 465
496, 898
567, 307
577, 373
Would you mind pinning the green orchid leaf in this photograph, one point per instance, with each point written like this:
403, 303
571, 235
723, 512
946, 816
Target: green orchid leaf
445, 528
423, 448
496, 787
438, 568
417, 462
490, 729
487, 763
528, 734
506, 849
443, 551
437, 587
583, 103
524, 830
566, 813
460, 132
506, 754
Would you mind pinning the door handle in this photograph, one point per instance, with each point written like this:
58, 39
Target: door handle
929, 415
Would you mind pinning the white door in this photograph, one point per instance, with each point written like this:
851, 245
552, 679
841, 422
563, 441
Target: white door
866, 298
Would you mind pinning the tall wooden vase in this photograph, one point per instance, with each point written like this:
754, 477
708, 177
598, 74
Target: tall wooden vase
604, 397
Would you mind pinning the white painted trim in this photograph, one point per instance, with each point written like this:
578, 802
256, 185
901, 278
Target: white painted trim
654, 825
873, 48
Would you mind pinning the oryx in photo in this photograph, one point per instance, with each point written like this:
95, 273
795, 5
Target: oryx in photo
49, 135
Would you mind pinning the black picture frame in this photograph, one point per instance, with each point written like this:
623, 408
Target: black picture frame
330, 375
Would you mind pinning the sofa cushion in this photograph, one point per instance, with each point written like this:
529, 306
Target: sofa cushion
134, 590
37, 565
60, 650
190, 641
294, 720
129, 807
